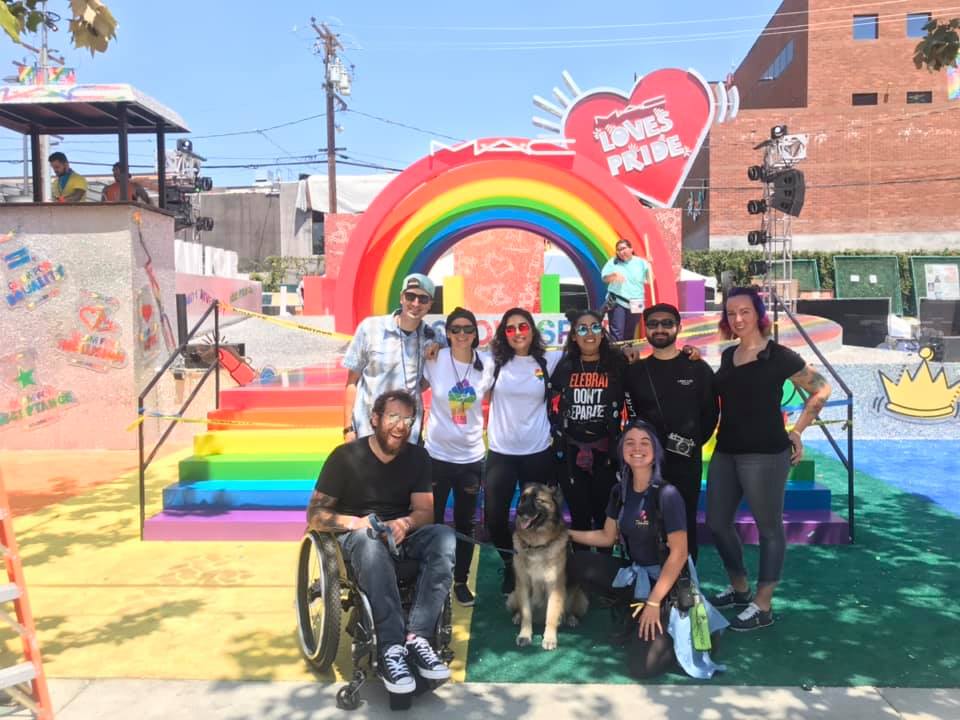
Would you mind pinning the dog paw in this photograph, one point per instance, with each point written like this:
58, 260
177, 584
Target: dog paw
516, 619
549, 643
571, 620
524, 640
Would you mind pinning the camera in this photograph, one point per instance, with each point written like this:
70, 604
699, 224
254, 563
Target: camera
680, 445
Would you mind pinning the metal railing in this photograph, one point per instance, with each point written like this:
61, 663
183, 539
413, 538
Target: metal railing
846, 459
214, 370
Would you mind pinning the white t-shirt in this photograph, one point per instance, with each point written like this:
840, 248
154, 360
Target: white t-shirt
455, 429
518, 410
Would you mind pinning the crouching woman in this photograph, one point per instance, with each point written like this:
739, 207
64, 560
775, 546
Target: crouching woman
676, 624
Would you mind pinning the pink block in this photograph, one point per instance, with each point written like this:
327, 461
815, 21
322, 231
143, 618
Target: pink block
319, 294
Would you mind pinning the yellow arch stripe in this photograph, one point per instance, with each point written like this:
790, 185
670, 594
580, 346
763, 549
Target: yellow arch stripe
447, 202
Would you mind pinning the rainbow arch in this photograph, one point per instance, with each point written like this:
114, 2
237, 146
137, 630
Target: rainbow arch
538, 186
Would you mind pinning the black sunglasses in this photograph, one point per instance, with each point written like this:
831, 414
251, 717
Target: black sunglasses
465, 329
665, 324
413, 297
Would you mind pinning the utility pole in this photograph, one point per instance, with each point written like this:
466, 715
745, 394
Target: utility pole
332, 70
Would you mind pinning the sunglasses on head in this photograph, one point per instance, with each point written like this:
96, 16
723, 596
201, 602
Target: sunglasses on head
595, 328
665, 324
412, 297
465, 329
523, 327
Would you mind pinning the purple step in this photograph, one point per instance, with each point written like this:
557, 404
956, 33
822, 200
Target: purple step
803, 527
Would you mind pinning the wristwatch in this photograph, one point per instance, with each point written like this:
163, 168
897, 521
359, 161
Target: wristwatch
348, 429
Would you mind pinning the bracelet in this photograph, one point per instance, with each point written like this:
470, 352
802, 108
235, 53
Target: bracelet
651, 603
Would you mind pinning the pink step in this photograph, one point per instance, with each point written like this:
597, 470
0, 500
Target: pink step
256, 525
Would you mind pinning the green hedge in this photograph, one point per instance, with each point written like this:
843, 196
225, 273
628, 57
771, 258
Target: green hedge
713, 262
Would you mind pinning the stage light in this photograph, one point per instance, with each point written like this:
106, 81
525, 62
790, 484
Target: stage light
757, 267
205, 183
756, 172
758, 237
777, 132
184, 145
757, 207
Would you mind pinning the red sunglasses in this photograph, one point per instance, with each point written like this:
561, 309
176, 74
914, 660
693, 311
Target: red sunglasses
514, 329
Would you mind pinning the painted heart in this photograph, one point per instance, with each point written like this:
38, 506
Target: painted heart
94, 318
648, 139
146, 311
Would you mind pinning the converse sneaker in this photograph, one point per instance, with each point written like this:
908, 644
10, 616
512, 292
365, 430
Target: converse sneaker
509, 581
425, 660
752, 618
730, 596
463, 595
395, 672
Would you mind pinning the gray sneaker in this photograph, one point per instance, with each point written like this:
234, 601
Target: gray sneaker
729, 597
753, 618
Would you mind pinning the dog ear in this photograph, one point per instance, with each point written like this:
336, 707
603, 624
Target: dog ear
558, 496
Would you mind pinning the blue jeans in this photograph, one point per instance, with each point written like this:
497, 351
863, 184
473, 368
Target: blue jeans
375, 571
622, 322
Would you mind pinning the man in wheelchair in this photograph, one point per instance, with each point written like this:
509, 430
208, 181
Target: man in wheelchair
383, 474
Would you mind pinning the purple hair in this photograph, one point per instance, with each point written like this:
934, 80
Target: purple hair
763, 322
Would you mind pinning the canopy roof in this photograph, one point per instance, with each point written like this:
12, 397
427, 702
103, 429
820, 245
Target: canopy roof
83, 110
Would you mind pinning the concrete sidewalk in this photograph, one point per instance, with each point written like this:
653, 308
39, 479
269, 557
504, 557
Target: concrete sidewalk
155, 699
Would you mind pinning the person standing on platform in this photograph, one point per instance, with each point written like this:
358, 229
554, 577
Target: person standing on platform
68, 186
675, 394
588, 383
459, 378
135, 191
625, 275
754, 450
387, 353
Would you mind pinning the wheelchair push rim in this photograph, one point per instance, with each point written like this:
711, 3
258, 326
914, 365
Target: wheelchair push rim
318, 599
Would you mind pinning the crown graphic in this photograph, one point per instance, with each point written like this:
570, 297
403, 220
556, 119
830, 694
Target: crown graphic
921, 395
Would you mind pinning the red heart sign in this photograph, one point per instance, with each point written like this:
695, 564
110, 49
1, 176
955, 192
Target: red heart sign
649, 139
146, 311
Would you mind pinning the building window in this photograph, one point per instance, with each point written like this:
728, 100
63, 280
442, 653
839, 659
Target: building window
919, 97
864, 98
866, 27
780, 63
318, 236
915, 23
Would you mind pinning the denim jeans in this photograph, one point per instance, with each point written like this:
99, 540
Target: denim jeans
432, 546
622, 323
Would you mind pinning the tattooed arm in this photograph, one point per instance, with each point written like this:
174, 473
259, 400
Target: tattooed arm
323, 516
818, 390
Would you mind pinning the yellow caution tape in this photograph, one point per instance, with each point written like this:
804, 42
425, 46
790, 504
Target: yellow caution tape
286, 323
211, 421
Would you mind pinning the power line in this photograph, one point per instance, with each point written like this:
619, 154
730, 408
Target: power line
396, 123
258, 131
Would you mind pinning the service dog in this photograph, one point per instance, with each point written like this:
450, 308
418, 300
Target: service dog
540, 541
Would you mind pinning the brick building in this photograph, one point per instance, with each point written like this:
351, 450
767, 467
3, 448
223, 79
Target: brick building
882, 166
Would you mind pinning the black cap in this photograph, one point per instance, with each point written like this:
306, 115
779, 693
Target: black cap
661, 308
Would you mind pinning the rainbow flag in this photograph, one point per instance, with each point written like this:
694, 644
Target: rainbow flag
25, 74
953, 82
61, 75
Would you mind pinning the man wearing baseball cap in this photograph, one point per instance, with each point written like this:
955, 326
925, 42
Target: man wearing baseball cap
387, 353
675, 394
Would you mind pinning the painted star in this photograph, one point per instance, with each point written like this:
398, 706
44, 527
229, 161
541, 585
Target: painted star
25, 377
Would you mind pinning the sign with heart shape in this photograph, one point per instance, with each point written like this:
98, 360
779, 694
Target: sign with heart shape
648, 139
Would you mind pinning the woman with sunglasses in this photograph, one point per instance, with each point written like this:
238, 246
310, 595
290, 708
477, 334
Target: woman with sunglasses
519, 428
459, 378
626, 276
588, 383
754, 450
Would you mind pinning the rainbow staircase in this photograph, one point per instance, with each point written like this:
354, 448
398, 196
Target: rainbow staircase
252, 472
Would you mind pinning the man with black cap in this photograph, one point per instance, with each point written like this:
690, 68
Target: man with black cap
387, 353
676, 395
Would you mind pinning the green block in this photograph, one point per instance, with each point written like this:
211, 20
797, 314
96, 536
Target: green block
802, 472
251, 467
549, 293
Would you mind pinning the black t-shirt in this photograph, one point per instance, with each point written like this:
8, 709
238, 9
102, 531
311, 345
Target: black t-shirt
688, 403
750, 419
590, 397
362, 484
637, 526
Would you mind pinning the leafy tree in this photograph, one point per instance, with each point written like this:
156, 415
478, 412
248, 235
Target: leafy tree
939, 48
92, 26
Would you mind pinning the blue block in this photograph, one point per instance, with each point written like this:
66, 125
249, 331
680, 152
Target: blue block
800, 496
235, 494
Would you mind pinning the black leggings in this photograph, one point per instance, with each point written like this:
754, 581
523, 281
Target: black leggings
464, 480
503, 474
595, 572
587, 493
686, 475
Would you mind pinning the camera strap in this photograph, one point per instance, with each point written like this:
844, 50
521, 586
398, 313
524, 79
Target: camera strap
656, 397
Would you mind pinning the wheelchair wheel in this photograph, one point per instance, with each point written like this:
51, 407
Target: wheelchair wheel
318, 599
444, 634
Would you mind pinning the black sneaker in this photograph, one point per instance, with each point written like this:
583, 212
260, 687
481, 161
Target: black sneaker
752, 618
732, 597
395, 672
462, 594
425, 661
509, 579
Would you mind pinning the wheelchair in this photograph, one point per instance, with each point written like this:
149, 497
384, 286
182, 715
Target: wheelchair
327, 592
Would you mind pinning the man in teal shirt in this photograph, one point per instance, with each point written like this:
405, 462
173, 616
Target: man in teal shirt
626, 276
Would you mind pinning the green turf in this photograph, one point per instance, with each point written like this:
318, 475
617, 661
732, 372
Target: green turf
881, 612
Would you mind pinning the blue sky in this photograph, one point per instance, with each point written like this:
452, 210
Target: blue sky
456, 69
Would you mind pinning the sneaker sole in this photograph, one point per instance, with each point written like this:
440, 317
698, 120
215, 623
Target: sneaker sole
443, 674
465, 604
404, 689
752, 627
